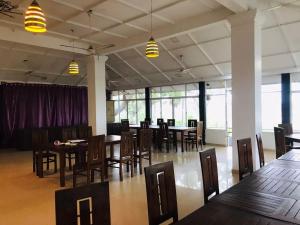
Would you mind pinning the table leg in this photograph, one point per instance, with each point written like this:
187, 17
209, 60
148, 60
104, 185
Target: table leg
182, 139
62, 168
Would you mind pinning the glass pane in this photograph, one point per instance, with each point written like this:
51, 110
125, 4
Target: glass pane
173, 91
123, 110
215, 91
129, 94
140, 93
117, 118
192, 89
215, 111
155, 92
296, 111
141, 113
132, 112
229, 111
179, 111
271, 88
167, 109
271, 110
192, 108
114, 95
155, 110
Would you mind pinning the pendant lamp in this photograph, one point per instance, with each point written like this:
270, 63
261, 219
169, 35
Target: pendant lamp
152, 47
35, 20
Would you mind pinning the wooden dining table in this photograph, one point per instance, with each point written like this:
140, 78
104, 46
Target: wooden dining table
295, 137
176, 129
62, 150
270, 196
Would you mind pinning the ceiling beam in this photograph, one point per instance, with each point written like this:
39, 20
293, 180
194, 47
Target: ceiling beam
155, 66
184, 26
235, 6
45, 41
133, 68
119, 74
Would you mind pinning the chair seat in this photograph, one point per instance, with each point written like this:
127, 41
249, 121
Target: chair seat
117, 158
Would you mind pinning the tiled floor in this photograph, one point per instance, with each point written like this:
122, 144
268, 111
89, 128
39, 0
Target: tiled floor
27, 200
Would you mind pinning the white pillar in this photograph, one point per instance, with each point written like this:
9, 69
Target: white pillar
97, 93
246, 81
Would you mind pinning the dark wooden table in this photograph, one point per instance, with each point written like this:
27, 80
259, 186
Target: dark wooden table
270, 196
293, 137
176, 129
62, 150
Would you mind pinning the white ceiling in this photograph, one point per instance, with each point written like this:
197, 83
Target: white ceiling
124, 23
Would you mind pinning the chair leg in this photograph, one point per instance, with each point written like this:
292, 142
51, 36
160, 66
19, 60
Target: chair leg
141, 166
92, 176
150, 158
168, 145
131, 167
127, 166
102, 173
33, 161
70, 161
74, 178
121, 171
55, 164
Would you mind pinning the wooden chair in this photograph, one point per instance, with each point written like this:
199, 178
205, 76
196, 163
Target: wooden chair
84, 132
279, 141
126, 154
245, 157
288, 128
125, 125
144, 124
159, 121
144, 148
96, 156
83, 205
209, 168
161, 193
195, 138
163, 136
69, 133
148, 120
260, 150
191, 123
171, 122
40, 152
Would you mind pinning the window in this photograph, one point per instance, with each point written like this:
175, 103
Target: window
271, 106
215, 106
129, 104
180, 102
295, 98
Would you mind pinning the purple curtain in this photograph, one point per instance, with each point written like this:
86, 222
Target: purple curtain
39, 105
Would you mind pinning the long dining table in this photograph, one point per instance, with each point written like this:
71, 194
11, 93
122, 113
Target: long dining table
176, 129
270, 196
62, 150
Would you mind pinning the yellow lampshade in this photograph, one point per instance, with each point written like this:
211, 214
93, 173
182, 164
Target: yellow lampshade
35, 20
73, 68
152, 48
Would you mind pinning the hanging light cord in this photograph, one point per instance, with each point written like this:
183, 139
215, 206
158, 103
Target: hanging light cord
151, 17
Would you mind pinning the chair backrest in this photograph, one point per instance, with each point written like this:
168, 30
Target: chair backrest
199, 130
84, 205
288, 128
145, 140
260, 150
209, 168
68, 133
163, 130
148, 120
192, 123
123, 120
126, 146
125, 125
245, 157
171, 122
144, 124
159, 121
161, 193
84, 132
279, 141
39, 139
96, 150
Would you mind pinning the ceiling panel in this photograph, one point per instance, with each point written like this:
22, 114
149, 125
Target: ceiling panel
177, 42
117, 10
192, 56
277, 62
205, 71
219, 51
273, 42
287, 14
213, 32
293, 35
96, 21
225, 68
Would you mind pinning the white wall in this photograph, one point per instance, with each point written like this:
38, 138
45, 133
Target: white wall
218, 137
